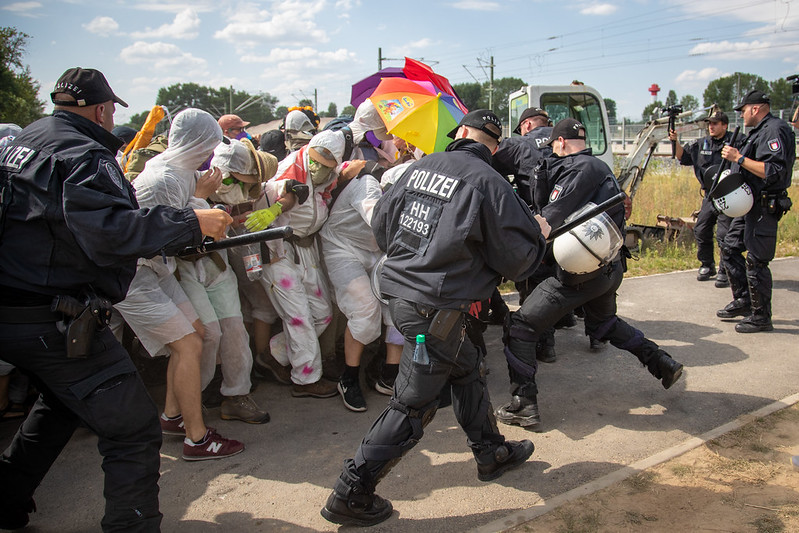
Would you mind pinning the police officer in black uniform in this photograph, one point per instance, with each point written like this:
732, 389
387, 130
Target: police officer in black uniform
765, 161
450, 227
704, 154
70, 235
577, 178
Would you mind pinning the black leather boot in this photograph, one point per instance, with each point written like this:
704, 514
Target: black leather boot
522, 410
736, 308
353, 504
506, 456
663, 367
760, 319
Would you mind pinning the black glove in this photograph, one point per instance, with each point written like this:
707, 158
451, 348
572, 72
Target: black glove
300, 190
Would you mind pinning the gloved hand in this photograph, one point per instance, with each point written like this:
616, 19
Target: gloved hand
261, 219
300, 190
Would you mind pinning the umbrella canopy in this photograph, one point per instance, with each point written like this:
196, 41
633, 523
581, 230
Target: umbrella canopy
417, 112
363, 89
416, 70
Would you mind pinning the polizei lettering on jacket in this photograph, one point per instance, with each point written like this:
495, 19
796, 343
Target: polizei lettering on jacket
432, 183
14, 157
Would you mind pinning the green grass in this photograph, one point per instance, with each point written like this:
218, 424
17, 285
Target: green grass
670, 189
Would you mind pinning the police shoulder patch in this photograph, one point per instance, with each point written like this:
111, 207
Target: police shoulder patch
113, 172
774, 145
555, 193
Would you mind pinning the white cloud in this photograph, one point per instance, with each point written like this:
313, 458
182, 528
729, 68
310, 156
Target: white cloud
23, 8
102, 26
301, 59
201, 6
732, 50
163, 56
184, 26
598, 9
693, 77
289, 22
476, 5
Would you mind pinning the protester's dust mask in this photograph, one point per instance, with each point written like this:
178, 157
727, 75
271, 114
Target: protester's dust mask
319, 172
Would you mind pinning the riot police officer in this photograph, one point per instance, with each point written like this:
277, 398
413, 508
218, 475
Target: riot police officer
577, 179
70, 235
450, 227
765, 162
704, 154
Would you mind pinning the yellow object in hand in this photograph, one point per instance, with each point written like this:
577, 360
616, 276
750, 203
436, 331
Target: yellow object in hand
261, 219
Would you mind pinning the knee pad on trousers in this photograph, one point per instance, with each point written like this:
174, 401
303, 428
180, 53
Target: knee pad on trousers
417, 418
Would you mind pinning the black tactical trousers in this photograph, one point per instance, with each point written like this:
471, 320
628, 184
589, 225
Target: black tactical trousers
103, 392
552, 299
456, 361
703, 231
755, 233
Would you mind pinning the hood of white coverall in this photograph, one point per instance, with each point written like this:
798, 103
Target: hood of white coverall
192, 138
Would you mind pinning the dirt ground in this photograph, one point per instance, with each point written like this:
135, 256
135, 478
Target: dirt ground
740, 482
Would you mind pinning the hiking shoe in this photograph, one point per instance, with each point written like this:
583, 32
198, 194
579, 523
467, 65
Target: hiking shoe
352, 506
172, 426
722, 281
521, 411
706, 272
16, 517
384, 386
266, 365
508, 455
352, 395
323, 388
753, 324
243, 408
213, 446
736, 308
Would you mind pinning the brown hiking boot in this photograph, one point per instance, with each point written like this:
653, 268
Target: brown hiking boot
321, 389
267, 365
243, 408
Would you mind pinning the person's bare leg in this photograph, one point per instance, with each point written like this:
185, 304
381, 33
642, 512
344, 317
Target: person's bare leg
184, 395
4, 381
393, 353
353, 350
261, 333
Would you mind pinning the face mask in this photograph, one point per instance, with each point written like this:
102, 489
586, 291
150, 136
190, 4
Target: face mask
319, 172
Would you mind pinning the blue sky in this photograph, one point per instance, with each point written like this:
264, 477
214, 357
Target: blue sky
289, 48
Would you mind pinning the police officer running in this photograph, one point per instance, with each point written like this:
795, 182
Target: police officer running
70, 235
704, 154
765, 162
577, 178
450, 227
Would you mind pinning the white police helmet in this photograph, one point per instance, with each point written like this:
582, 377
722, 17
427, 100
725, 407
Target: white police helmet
732, 196
588, 247
375, 279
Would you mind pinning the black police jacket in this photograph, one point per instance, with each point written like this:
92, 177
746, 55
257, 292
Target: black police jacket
578, 179
772, 141
451, 226
520, 155
70, 221
704, 153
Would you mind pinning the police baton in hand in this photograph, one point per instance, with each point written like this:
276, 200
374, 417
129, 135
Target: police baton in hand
591, 213
270, 234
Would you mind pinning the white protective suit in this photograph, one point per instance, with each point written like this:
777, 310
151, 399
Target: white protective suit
294, 279
210, 284
350, 253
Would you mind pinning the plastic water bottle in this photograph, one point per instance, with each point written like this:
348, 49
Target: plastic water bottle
420, 351
252, 262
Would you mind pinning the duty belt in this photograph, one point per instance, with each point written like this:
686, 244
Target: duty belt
28, 315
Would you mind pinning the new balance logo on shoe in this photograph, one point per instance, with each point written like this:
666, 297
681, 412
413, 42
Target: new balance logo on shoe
214, 447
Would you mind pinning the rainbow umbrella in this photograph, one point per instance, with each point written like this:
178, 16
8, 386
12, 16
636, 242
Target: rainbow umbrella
361, 90
417, 112
416, 70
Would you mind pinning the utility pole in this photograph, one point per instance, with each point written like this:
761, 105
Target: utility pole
379, 59
491, 85
315, 101
231, 99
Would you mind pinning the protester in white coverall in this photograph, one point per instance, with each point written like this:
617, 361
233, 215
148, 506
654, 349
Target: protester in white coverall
244, 170
350, 254
156, 307
294, 278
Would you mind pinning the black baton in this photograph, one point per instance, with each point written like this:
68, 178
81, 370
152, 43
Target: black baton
591, 213
725, 164
282, 232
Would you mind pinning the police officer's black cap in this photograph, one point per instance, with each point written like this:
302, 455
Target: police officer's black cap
718, 116
753, 97
482, 119
87, 86
568, 128
530, 112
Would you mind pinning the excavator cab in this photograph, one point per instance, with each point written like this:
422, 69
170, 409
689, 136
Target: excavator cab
568, 101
